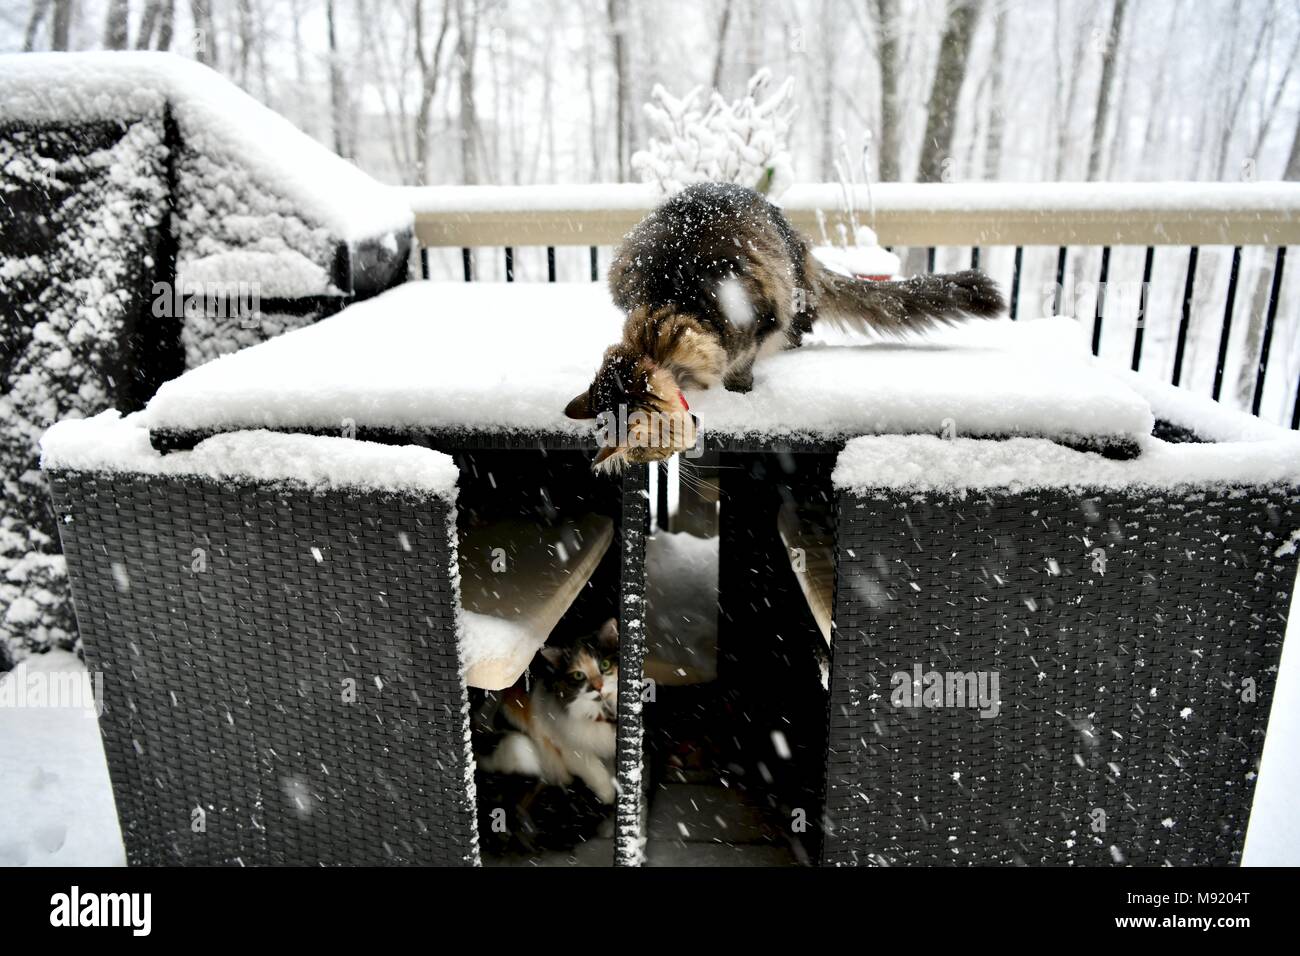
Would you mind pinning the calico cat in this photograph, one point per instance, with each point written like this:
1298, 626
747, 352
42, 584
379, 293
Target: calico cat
565, 728
714, 279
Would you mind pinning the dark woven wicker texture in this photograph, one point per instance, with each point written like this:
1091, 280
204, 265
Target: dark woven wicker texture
231, 624
629, 846
1125, 631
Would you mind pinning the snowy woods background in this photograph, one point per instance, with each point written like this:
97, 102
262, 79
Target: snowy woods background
533, 91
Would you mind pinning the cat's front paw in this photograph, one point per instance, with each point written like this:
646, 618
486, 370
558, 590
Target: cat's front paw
603, 787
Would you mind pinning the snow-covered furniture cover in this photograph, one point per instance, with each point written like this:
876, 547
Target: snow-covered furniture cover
276, 621
155, 216
1044, 656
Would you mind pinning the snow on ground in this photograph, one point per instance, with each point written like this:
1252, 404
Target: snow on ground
398, 360
54, 790
682, 605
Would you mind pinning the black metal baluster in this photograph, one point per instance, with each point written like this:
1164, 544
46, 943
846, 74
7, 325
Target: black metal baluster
1269, 319
467, 261
510, 263
929, 259
661, 496
974, 257
1185, 322
1142, 307
1227, 322
1015, 281
1101, 300
595, 261
550, 263
424, 262
1060, 282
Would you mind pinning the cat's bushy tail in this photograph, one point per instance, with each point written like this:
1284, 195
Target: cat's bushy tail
915, 303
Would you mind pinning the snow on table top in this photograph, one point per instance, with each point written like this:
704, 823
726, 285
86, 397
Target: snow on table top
109, 442
930, 463
217, 120
507, 357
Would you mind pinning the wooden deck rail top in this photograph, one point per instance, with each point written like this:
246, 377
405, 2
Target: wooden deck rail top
905, 214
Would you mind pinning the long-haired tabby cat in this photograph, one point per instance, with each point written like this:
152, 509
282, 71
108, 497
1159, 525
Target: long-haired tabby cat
715, 278
565, 727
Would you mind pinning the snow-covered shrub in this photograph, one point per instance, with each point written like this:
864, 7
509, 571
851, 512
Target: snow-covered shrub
745, 142
74, 264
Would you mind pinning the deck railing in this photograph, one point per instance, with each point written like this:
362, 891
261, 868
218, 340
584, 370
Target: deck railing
1100, 252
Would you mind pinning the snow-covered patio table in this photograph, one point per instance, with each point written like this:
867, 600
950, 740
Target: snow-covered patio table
484, 369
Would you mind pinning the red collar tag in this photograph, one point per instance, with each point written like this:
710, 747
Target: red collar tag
683, 401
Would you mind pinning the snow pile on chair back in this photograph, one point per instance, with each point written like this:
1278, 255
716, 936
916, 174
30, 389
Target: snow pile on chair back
111, 443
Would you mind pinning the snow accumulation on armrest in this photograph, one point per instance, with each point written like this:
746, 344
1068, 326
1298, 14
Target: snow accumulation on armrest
501, 357
926, 463
1205, 418
217, 120
111, 443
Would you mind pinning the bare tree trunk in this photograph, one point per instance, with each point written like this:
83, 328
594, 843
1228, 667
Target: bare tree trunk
720, 58
1119, 106
40, 9
1156, 105
940, 122
1230, 124
997, 98
1292, 171
430, 67
116, 28
1101, 116
338, 93
205, 34
148, 23
61, 25
1068, 89
1254, 338
593, 106
247, 38
616, 12
1270, 111
829, 28
166, 25
891, 119
466, 42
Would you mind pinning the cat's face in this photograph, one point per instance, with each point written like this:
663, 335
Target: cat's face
640, 411
584, 676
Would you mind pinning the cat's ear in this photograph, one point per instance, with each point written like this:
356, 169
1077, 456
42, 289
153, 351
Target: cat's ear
580, 407
554, 656
607, 636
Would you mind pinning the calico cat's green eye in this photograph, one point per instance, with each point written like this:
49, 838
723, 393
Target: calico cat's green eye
606, 665
577, 677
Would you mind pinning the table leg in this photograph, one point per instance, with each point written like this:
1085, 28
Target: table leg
629, 840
